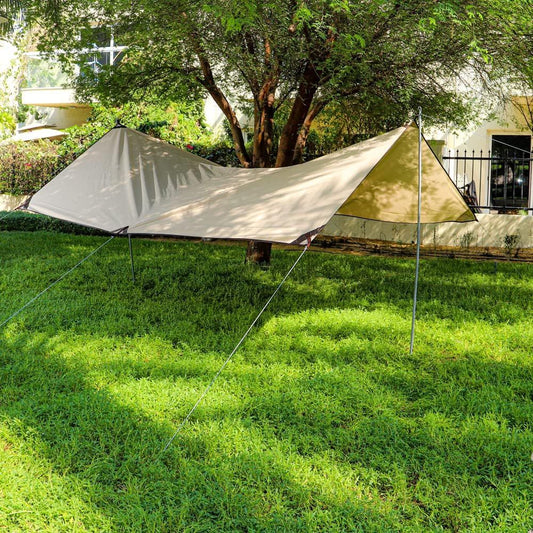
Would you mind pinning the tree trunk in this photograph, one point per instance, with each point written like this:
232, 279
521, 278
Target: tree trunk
304, 131
302, 103
258, 253
264, 125
208, 81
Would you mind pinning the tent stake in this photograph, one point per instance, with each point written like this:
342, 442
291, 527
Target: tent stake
131, 259
418, 228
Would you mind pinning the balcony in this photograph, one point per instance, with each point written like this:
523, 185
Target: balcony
47, 85
50, 97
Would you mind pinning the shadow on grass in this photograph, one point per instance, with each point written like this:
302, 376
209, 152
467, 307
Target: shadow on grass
321, 424
222, 473
198, 293
336, 448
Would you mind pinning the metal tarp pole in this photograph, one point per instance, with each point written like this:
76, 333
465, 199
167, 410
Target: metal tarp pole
418, 229
131, 259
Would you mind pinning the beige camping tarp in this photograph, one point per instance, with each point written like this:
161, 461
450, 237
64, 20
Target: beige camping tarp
130, 182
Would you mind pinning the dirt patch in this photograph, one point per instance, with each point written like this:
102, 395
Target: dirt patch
387, 248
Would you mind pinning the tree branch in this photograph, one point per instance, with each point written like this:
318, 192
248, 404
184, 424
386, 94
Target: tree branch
317, 107
208, 81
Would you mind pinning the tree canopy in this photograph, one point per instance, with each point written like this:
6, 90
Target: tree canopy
291, 59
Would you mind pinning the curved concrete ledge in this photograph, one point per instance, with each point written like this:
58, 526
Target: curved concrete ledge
8, 202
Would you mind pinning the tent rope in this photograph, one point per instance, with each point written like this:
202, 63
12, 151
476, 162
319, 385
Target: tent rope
22, 205
27, 304
208, 388
511, 146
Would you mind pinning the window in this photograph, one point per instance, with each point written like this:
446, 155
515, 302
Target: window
510, 171
103, 50
46, 72
42, 72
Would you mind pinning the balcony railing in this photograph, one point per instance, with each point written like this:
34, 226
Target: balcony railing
503, 180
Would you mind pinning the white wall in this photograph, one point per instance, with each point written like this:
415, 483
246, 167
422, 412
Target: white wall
214, 118
504, 120
489, 231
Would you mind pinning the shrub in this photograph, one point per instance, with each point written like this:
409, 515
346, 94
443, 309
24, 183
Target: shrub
26, 167
511, 243
221, 153
466, 240
24, 221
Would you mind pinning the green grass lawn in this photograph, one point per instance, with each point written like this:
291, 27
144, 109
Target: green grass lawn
322, 421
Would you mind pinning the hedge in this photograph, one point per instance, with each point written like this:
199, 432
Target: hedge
24, 221
26, 167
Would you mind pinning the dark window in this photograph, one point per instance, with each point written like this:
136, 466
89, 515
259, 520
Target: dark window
103, 48
510, 170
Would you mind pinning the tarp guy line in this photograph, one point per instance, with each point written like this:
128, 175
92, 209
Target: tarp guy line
208, 388
56, 282
13, 210
513, 147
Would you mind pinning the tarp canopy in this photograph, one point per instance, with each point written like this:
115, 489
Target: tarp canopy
130, 182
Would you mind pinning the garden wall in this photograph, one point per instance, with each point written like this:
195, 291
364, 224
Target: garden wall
8, 202
490, 231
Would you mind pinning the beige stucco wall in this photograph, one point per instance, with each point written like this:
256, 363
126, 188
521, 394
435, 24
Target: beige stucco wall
504, 120
490, 230
59, 117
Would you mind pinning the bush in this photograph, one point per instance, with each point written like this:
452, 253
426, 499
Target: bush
24, 221
511, 243
26, 167
221, 153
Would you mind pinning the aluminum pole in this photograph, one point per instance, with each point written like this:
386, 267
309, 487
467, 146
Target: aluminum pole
418, 229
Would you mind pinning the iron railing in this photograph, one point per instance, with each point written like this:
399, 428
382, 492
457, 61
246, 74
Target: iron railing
503, 179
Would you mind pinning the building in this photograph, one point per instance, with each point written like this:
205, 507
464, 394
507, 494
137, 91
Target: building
48, 89
491, 162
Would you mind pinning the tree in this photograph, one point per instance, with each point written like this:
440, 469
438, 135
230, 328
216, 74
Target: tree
303, 55
521, 77
12, 10
8, 11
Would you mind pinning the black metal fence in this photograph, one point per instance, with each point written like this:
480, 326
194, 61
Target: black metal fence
505, 177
